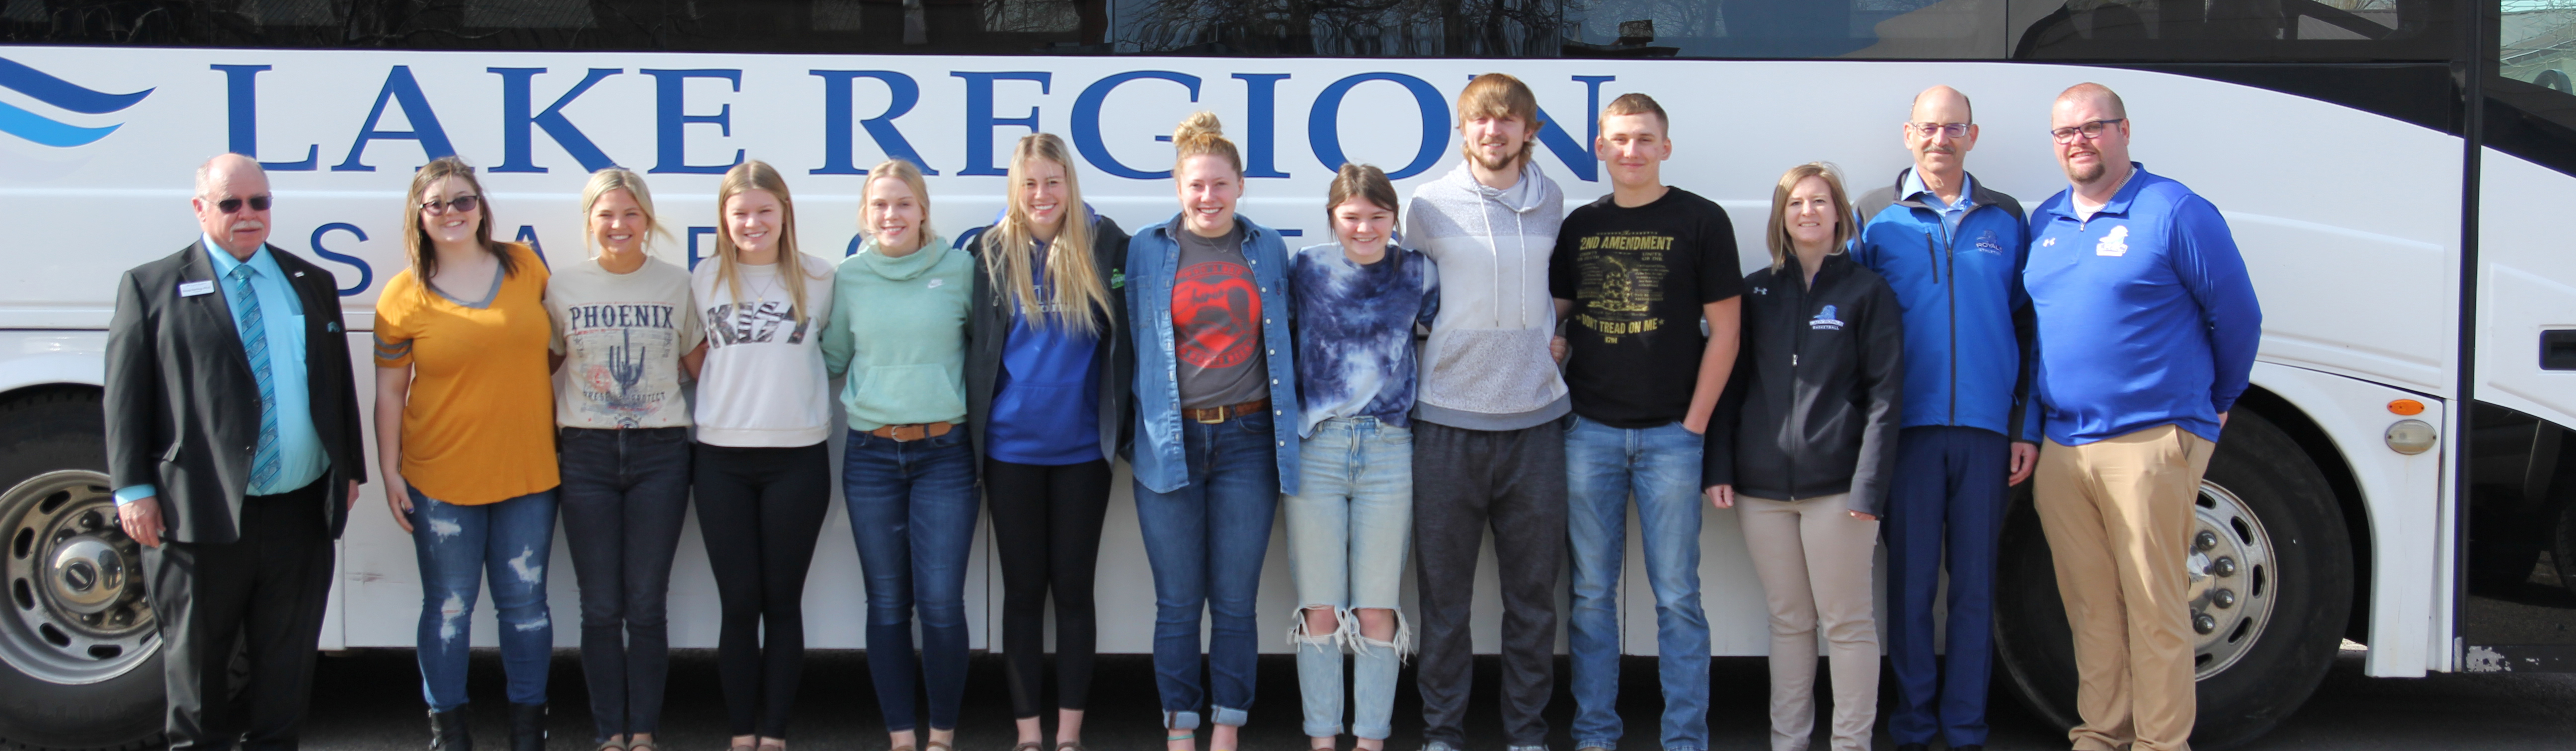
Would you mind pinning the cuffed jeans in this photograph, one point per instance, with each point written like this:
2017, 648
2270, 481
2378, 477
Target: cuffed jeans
1463, 482
625, 494
1661, 467
509, 543
1205, 541
1347, 533
912, 511
1947, 502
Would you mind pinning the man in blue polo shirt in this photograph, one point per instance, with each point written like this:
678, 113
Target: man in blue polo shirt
2147, 331
1953, 249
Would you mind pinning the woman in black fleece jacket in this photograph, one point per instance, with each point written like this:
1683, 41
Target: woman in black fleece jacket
1803, 441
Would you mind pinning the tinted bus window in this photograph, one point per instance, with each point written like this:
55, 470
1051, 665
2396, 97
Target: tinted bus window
2241, 31
2532, 104
2104, 30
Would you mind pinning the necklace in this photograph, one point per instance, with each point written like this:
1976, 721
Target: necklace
764, 290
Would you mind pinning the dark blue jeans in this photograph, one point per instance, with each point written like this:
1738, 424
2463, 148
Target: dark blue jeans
1949, 492
1205, 542
625, 494
509, 543
912, 511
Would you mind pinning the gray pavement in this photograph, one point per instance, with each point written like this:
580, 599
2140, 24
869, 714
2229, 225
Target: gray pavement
370, 700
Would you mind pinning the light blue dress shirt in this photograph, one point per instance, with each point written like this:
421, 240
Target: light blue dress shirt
299, 447
1950, 212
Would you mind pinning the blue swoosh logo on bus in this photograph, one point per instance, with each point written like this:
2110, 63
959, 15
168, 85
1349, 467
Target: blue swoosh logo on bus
44, 87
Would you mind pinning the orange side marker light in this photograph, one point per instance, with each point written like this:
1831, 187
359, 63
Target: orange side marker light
2406, 407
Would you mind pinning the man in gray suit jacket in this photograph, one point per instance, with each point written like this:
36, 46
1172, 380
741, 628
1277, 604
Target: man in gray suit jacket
233, 442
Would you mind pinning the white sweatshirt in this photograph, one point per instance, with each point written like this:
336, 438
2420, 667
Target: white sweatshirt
763, 384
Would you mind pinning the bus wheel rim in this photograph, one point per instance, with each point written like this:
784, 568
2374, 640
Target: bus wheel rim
76, 611
2234, 580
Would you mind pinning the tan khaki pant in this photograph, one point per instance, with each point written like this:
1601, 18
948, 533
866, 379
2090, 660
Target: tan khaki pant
1814, 562
2118, 514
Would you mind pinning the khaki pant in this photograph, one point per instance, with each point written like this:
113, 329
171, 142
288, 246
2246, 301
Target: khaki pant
1814, 561
2118, 514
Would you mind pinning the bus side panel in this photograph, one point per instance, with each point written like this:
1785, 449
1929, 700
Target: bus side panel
2526, 287
2408, 573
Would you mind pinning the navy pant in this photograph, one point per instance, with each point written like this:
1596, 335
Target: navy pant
1949, 491
625, 496
912, 513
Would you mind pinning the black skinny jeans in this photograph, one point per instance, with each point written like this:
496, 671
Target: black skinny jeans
760, 510
625, 494
1047, 520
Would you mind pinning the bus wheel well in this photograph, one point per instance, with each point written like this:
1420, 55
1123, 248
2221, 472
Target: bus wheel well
47, 392
2347, 492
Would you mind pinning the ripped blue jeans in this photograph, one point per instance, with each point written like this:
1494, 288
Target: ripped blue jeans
459, 546
1348, 527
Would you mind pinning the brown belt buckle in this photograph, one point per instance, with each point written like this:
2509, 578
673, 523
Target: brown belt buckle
1213, 415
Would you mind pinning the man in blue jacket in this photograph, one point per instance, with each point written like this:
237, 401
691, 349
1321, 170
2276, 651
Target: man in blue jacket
1954, 250
2147, 331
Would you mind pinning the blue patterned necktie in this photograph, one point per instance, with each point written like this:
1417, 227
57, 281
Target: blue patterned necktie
265, 464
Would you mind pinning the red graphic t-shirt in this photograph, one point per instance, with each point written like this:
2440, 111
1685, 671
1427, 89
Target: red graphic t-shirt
1216, 324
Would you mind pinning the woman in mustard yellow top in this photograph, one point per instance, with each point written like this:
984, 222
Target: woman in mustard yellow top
465, 437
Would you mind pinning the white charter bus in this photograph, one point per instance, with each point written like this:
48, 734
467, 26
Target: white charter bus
2398, 480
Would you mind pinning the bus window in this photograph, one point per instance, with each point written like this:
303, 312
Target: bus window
2536, 43
2238, 31
1969, 29
830, 26
2532, 110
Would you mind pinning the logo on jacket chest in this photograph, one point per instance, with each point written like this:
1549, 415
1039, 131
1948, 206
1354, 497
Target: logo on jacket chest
1989, 244
2115, 244
1825, 320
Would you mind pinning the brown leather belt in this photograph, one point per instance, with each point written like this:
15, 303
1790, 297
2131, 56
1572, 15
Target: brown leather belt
1214, 415
914, 432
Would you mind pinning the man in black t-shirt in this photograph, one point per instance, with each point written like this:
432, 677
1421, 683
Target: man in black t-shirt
1634, 275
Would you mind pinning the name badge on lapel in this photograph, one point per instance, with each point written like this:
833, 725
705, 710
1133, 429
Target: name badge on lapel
193, 289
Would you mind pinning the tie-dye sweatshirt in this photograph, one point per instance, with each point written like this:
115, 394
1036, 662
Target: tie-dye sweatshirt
1355, 353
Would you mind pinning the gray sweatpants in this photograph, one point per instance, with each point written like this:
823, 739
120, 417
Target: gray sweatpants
1463, 482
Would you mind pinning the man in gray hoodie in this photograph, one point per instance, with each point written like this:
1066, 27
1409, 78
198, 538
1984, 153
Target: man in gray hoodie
1488, 445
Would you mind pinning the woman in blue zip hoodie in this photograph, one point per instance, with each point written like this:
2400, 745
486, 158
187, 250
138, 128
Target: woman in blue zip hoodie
1216, 426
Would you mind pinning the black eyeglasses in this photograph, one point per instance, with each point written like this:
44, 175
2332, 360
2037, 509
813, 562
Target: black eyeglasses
1955, 130
234, 205
2090, 130
459, 203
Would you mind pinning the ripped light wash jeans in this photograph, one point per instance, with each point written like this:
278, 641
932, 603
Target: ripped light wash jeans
1347, 534
459, 546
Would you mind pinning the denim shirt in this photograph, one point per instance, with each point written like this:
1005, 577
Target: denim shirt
1153, 258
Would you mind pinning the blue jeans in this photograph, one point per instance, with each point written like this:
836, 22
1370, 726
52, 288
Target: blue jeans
1949, 496
1205, 542
508, 542
912, 511
625, 495
1660, 466
1348, 527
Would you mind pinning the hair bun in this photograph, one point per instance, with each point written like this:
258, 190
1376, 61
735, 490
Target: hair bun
1200, 124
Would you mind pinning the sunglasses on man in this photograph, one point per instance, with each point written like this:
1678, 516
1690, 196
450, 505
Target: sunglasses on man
234, 205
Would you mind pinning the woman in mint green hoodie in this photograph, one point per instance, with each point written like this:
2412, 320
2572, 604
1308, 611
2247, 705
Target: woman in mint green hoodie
898, 330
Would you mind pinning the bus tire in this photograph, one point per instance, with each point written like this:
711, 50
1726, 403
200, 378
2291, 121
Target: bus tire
66, 681
2290, 592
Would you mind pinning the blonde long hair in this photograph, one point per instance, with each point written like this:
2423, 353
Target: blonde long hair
743, 178
1074, 282
910, 174
619, 178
